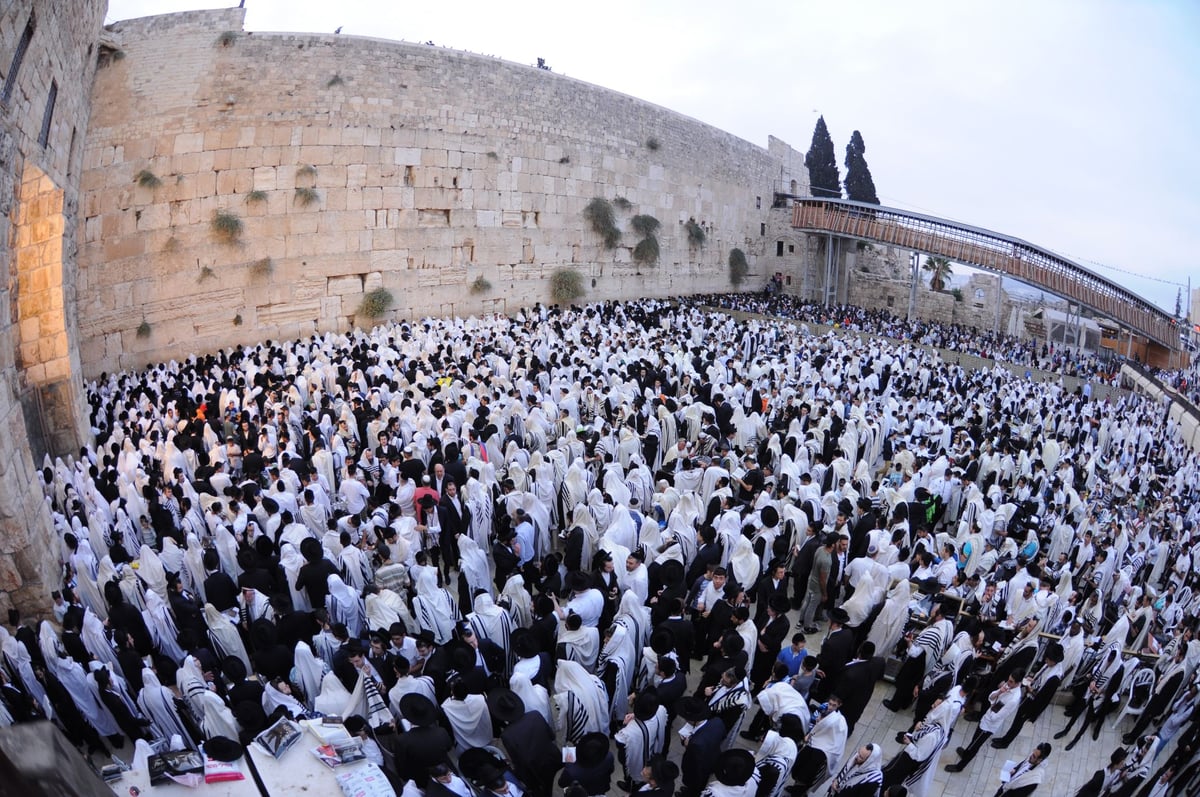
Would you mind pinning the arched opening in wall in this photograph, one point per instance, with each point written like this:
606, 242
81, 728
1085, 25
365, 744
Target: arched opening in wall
36, 292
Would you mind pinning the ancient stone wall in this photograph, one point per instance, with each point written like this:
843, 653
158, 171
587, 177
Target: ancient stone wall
48, 51
353, 164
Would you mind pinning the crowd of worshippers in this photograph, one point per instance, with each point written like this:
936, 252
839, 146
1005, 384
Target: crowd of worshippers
576, 525
962, 338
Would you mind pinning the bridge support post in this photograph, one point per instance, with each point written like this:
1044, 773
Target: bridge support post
999, 303
828, 286
912, 285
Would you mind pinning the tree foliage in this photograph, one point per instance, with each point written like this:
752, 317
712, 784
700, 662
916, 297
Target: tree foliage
599, 214
939, 269
859, 185
738, 267
823, 175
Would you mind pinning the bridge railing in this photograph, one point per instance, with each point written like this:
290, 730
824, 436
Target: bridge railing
990, 251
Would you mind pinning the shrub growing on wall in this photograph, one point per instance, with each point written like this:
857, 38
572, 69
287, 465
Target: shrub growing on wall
644, 225
566, 285
227, 226
480, 285
646, 252
695, 233
375, 303
738, 267
599, 213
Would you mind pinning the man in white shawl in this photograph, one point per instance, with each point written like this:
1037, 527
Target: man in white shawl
225, 638
1025, 777
826, 743
578, 642
581, 701
641, 736
345, 606
616, 666
469, 717
157, 704
436, 610
861, 775
492, 622
308, 672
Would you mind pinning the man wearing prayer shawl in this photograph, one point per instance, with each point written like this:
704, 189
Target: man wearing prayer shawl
826, 743
861, 776
469, 717
581, 701
642, 735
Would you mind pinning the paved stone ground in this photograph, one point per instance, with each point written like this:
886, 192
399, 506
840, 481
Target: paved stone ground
1066, 773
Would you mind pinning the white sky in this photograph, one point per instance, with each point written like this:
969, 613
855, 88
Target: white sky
1069, 123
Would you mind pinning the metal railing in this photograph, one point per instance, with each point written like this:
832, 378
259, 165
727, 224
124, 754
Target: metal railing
990, 251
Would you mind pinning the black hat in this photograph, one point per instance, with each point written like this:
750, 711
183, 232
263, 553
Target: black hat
671, 573
839, 616
591, 749
523, 644
1054, 652
693, 709
425, 637
507, 706
577, 581
662, 641
426, 501
735, 767
770, 516
418, 709
222, 748
663, 771
645, 706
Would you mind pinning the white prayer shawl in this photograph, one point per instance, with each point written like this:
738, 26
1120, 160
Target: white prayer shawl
581, 700
436, 609
535, 696
224, 636
635, 582
473, 564
779, 754
410, 684
855, 774
333, 699
291, 561
520, 604
96, 641
635, 617
745, 563
151, 571
84, 691
218, 719
1023, 776
619, 652
642, 740
307, 673
157, 704
161, 625
781, 698
273, 698
829, 736
345, 606
470, 721
194, 566
380, 616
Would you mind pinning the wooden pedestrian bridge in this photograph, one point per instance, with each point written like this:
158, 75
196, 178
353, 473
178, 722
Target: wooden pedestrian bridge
990, 251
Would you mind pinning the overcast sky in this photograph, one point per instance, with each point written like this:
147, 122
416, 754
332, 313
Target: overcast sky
1069, 124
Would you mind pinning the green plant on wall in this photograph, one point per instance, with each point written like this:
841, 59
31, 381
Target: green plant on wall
652, 144
227, 38
227, 226
307, 196
695, 233
645, 225
147, 179
646, 252
306, 172
237, 320
262, 267
143, 330
738, 267
375, 303
206, 273
256, 196
336, 80
566, 285
480, 285
621, 203
599, 213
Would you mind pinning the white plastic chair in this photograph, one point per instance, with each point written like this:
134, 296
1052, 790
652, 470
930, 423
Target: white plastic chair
1145, 678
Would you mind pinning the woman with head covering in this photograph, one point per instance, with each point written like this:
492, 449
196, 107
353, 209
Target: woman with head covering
861, 776
581, 701
224, 636
344, 606
157, 704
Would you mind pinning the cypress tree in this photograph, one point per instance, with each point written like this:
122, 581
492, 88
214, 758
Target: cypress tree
859, 185
823, 176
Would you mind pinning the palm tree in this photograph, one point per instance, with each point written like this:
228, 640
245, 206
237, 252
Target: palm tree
939, 269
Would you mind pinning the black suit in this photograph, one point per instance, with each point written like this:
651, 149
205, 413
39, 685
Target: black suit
856, 685
802, 568
417, 750
767, 589
700, 758
454, 521
534, 752
1032, 706
770, 641
685, 639
836, 651
858, 535
506, 561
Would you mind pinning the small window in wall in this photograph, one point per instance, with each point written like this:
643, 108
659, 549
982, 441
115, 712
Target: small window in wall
779, 249
762, 228
48, 116
891, 300
788, 279
10, 80
791, 249
758, 202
